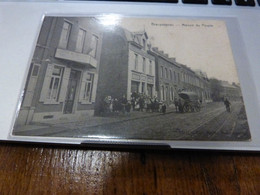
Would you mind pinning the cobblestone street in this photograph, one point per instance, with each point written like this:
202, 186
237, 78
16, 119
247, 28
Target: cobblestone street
211, 123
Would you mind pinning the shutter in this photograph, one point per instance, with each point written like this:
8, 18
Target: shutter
94, 90
82, 86
46, 82
64, 84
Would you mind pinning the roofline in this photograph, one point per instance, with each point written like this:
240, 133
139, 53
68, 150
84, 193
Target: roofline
164, 57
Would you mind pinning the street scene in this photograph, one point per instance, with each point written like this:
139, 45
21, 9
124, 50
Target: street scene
213, 122
151, 79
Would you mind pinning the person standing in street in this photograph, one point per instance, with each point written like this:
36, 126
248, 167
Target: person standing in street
141, 103
227, 104
123, 103
163, 108
176, 104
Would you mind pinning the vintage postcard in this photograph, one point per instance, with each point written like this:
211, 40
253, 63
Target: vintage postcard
133, 78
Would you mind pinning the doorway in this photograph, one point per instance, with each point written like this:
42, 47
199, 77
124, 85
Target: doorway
71, 91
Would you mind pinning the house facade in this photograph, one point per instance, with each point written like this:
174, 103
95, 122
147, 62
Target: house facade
230, 91
63, 75
167, 76
126, 66
195, 81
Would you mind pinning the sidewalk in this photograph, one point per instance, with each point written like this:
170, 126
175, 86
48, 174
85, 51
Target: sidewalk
91, 121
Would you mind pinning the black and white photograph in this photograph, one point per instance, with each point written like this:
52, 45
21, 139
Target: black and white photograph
118, 77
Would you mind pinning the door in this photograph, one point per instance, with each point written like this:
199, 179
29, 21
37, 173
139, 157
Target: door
71, 91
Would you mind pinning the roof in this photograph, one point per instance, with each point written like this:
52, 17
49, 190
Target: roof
188, 95
134, 36
227, 85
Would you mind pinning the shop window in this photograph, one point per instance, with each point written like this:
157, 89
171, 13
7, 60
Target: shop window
55, 83
80, 40
65, 33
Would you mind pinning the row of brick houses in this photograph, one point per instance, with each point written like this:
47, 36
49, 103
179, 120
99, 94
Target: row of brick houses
77, 63
173, 77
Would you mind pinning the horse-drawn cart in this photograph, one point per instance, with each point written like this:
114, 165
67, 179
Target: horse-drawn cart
189, 102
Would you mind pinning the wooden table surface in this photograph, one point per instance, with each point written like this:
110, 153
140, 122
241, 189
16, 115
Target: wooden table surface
31, 169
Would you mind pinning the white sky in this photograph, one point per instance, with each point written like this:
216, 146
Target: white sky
199, 44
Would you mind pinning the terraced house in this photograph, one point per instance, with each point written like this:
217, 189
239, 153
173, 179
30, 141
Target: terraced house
126, 65
195, 81
63, 75
167, 76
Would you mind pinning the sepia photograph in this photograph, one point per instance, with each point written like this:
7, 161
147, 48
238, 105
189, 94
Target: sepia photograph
118, 77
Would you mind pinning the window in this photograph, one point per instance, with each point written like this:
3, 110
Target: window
55, 83
161, 71
80, 40
87, 94
172, 93
144, 43
178, 75
166, 93
144, 65
171, 74
150, 68
35, 70
174, 76
162, 92
65, 33
136, 62
93, 46
166, 73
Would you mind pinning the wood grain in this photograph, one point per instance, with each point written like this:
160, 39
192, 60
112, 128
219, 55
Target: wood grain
56, 170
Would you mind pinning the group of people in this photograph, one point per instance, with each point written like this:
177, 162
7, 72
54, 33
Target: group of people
142, 102
138, 102
116, 105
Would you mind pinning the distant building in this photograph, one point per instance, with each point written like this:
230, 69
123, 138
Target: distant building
167, 76
126, 66
195, 81
230, 91
63, 75
203, 86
